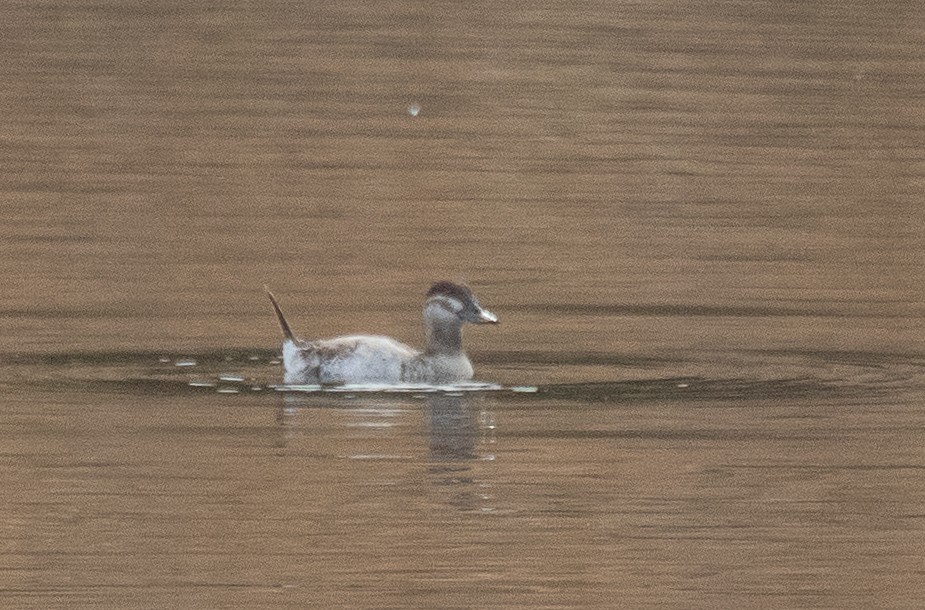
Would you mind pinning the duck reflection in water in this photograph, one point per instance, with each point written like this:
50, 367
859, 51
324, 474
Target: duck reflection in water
458, 435
456, 431
453, 432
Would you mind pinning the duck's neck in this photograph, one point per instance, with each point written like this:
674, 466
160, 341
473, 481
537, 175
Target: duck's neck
444, 338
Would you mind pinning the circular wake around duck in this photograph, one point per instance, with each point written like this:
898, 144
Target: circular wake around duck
597, 377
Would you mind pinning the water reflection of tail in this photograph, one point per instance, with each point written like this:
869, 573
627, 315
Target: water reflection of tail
457, 431
286, 413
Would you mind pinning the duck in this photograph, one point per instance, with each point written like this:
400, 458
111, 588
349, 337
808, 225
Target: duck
376, 359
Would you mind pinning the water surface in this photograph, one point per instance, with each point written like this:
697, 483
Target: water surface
701, 226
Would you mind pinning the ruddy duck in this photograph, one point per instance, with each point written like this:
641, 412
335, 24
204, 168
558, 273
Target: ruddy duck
377, 359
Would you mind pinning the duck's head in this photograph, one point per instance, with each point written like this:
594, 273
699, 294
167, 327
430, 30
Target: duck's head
448, 302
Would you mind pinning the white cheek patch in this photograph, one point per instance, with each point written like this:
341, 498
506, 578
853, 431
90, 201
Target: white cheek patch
448, 303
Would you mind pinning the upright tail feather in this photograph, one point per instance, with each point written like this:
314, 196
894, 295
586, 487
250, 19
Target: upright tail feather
284, 326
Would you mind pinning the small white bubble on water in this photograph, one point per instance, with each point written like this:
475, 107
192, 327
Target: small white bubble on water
185, 363
232, 378
414, 109
227, 390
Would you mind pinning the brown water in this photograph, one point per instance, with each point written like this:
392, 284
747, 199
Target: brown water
702, 225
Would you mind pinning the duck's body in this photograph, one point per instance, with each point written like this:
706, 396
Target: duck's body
369, 359
377, 359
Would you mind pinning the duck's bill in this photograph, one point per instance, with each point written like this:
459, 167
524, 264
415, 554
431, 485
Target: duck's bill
486, 317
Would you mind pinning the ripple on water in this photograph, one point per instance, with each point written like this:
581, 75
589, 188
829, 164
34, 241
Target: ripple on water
744, 375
